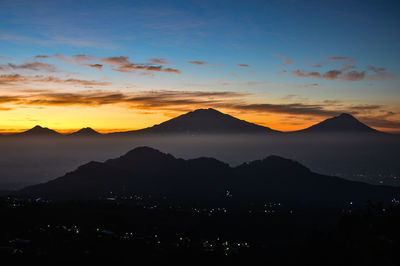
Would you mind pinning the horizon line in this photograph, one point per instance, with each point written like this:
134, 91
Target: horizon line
118, 130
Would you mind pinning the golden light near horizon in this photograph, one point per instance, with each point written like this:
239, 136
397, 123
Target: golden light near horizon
116, 118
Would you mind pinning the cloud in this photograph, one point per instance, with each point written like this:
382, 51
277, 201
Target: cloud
5, 79
244, 83
8, 99
364, 107
36, 66
123, 65
98, 66
286, 61
342, 58
119, 63
378, 74
338, 58
243, 65
16, 78
71, 81
160, 61
116, 60
381, 120
329, 75
199, 63
281, 72
354, 76
292, 108
181, 100
161, 100
348, 62
78, 60
42, 56
376, 69
316, 65
310, 85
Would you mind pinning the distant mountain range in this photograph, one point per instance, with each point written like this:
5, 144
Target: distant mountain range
211, 121
44, 132
39, 131
144, 170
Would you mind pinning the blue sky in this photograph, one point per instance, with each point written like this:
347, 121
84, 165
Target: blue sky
290, 48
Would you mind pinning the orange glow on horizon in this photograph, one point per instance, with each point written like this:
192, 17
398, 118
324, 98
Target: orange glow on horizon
141, 119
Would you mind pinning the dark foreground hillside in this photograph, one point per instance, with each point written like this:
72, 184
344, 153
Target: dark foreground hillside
140, 231
148, 207
145, 170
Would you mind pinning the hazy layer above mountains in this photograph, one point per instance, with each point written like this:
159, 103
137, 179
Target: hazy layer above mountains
368, 158
340, 145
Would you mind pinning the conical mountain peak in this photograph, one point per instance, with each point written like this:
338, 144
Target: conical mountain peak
207, 121
343, 123
39, 131
86, 131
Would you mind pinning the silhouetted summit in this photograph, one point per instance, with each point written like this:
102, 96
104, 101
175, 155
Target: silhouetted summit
276, 164
206, 121
148, 171
344, 123
39, 131
86, 131
143, 158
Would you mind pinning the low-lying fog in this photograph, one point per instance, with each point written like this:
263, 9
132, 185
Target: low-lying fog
376, 160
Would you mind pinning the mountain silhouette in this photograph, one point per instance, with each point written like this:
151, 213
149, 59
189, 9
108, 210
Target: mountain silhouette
85, 132
39, 131
144, 170
211, 121
205, 121
344, 123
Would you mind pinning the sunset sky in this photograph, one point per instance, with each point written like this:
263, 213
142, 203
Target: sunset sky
121, 65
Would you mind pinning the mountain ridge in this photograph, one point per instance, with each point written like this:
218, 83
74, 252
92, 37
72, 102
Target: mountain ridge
39, 131
145, 170
211, 121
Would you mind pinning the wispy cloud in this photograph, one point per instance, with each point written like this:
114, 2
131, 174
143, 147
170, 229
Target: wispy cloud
342, 58
316, 65
36, 66
16, 78
378, 74
198, 63
123, 64
78, 60
384, 119
119, 63
160, 61
286, 61
161, 100
178, 100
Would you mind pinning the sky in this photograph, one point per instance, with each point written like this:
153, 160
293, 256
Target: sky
123, 65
